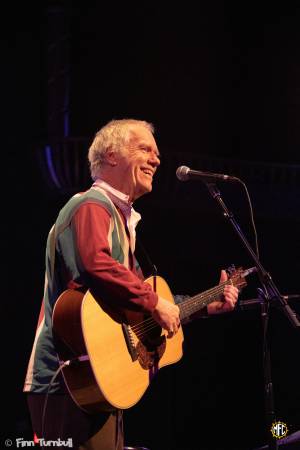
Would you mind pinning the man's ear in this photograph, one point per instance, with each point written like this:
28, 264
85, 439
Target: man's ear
110, 157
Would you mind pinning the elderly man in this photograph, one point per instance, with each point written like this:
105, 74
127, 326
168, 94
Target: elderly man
92, 246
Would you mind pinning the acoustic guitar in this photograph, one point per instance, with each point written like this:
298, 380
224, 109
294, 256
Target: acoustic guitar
109, 357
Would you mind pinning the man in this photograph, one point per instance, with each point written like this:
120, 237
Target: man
92, 246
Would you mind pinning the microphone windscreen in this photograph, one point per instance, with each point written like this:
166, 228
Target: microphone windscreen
182, 173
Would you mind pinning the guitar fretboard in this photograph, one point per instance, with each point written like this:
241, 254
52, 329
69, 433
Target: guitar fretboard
199, 301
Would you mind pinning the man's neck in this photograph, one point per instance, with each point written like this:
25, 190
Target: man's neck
110, 188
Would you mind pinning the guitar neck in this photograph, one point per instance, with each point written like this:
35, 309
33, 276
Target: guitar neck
199, 301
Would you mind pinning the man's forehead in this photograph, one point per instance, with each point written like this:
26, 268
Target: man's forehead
139, 131
141, 135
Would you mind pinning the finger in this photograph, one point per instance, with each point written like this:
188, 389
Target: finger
231, 291
231, 300
170, 334
228, 306
223, 276
230, 294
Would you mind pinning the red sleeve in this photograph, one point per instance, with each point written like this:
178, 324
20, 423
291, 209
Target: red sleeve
121, 286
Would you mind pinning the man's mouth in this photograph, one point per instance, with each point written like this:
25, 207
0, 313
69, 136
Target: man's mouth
148, 172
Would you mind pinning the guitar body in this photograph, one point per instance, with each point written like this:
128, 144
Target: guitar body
120, 352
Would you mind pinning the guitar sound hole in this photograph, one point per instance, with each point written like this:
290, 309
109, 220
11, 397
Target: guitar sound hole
152, 339
150, 350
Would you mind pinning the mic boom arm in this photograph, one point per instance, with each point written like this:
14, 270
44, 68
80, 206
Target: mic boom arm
184, 173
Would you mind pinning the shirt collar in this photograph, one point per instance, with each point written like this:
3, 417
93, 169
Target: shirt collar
122, 201
110, 190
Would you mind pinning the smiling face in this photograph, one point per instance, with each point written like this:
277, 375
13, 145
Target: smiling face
136, 165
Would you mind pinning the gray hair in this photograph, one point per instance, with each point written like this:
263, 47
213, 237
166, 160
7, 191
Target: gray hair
115, 134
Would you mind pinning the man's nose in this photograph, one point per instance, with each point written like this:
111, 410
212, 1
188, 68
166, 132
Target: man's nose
154, 159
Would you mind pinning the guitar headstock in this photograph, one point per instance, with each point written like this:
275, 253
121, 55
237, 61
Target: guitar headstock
237, 276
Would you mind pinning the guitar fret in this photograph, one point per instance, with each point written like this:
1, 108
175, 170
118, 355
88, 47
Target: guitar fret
199, 301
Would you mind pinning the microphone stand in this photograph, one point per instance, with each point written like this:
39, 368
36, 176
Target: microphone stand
269, 293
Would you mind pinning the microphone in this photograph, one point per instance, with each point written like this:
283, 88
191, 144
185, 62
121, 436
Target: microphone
184, 173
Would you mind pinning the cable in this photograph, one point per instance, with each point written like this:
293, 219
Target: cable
62, 365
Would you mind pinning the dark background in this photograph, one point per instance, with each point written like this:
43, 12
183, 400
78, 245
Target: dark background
221, 82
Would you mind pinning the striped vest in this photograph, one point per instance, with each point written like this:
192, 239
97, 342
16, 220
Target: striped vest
43, 361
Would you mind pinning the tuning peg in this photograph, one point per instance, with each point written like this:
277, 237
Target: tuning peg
230, 270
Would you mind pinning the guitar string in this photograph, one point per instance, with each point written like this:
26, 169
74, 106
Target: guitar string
187, 307
189, 303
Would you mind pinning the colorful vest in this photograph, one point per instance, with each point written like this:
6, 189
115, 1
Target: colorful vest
43, 361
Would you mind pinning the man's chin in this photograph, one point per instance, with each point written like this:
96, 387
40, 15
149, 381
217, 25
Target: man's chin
145, 190
148, 189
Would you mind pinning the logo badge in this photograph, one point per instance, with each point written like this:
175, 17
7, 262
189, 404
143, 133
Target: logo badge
279, 430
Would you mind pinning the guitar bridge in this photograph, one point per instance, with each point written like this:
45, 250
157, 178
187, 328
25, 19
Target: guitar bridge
129, 341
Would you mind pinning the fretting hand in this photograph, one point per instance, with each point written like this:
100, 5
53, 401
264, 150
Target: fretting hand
230, 297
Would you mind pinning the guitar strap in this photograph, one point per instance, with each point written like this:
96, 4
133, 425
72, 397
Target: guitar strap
147, 265
144, 256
